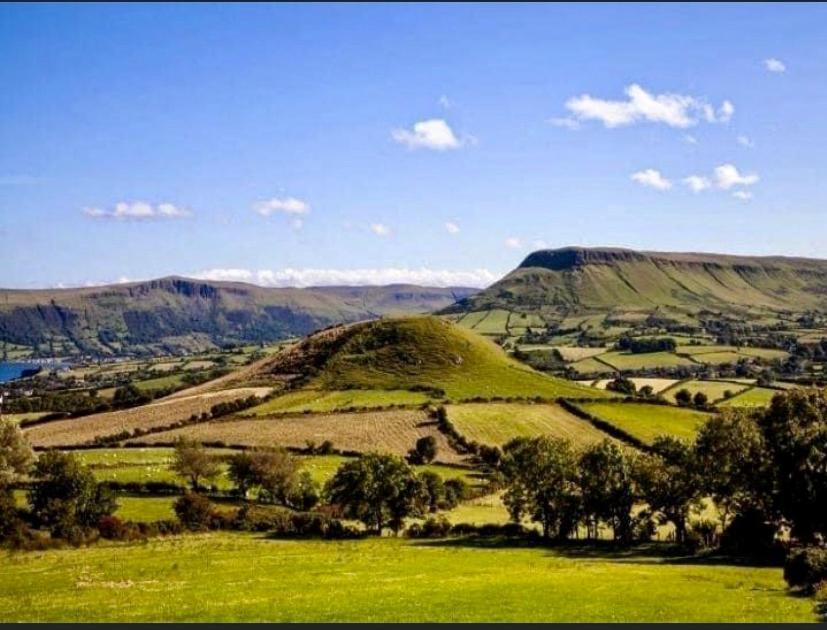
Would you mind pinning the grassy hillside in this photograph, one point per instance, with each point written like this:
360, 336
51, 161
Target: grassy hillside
559, 283
414, 354
176, 314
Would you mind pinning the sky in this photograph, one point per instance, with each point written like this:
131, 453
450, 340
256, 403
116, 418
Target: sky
368, 144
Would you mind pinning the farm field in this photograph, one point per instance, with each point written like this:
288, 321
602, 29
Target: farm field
629, 361
176, 579
657, 384
590, 366
21, 417
82, 430
317, 401
390, 431
571, 354
714, 390
496, 423
755, 397
646, 422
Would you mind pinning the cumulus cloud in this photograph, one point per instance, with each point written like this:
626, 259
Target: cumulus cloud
451, 227
652, 179
433, 134
743, 195
380, 229
727, 176
674, 110
697, 183
775, 65
138, 211
334, 277
513, 242
287, 205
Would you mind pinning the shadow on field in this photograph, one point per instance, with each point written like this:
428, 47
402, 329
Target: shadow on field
646, 553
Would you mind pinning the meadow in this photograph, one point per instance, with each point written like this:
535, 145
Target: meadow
232, 576
645, 422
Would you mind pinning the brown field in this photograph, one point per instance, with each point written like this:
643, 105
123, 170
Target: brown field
158, 414
389, 431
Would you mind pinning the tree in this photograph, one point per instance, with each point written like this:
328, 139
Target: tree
622, 386
700, 400
794, 427
376, 489
669, 482
241, 473
733, 463
540, 476
647, 391
65, 495
194, 511
424, 452
607, 485
683, 397
456, 490
434, 489
16, 454
191, 461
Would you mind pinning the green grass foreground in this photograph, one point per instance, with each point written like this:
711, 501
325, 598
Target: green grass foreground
244, 577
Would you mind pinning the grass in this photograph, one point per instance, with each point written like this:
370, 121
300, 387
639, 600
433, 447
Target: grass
571, 354
657, 384
496, 423
590, 366
145, 509
628, 361
20, 417
714, 390
646, 422
245, 577
718, 358
161, 382
755, 397
316, 401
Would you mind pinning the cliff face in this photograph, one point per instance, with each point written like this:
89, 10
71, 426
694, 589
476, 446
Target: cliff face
172, 314
576, 279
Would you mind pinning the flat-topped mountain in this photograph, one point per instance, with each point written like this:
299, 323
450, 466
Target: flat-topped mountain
572, 280
174, 313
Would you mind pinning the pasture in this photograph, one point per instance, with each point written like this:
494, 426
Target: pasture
497, 423
754, 397
233, 577
319, 401
714, 390
646, 422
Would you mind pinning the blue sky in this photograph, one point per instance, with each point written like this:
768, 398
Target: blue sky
301, 144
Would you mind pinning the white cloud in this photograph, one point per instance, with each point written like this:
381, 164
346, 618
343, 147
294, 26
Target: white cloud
513, 242
451, 227
652, 179
775, 65
727, 176
352, 277
445, 102
380, 229
433, 134
743, 195
287, 205
567, 123
690, 139
744, 141
138, 211
697, 183
674, 110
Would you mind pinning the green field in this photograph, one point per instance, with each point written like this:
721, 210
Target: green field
628, 361
496, 423
755, 397
714, 390
646, 422
161, 382
245, 577
590, 366
320, 401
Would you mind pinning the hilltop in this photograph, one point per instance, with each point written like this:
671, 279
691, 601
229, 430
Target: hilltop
426, 355
177, 314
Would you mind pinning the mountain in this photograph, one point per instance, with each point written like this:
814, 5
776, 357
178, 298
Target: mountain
174, 314
572, 281
419, 354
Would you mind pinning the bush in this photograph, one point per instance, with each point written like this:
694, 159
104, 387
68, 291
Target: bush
194, 511
749, 534
438, 527
806, 568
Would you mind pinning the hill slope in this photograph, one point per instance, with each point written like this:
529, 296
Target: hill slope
174, 314
412, 354
576, 280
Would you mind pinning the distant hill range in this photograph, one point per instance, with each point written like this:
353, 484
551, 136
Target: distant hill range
559, 283
179, 314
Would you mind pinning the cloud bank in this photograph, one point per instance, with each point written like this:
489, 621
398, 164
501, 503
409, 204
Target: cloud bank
138, 211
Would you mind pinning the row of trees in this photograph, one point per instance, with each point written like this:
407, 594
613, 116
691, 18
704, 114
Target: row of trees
765, 470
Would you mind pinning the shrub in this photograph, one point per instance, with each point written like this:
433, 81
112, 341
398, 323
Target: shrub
434, 527
806, 568
194, 511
